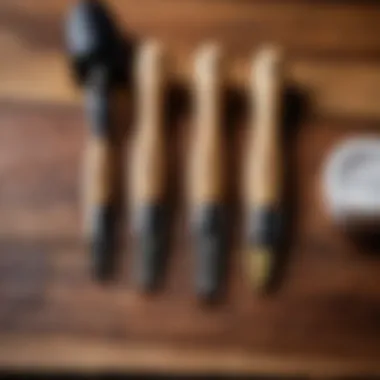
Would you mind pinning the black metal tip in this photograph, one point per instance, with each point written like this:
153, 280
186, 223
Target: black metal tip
103, 243
210, 245
151, 246
208, 269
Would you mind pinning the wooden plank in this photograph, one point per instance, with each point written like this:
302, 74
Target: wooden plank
325, 27
326, 309
91, 356
324, 319
34, 67
335, 88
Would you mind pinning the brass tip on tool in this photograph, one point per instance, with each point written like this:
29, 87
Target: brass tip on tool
260, 269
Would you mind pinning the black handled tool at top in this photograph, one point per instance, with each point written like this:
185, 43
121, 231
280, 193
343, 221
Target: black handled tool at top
99, 58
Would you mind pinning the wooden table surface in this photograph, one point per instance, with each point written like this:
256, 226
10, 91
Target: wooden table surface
325, 318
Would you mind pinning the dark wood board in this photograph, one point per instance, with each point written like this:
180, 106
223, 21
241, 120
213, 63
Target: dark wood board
325, 318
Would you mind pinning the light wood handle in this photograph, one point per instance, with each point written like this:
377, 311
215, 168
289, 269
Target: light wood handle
264, 176
264, 179
99, 175
206, 171
148, 171
99, 187
100, 182
100, 202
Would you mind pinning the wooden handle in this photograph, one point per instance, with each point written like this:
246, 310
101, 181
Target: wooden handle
100, 190
148, 172
264, 175
206, 185
99, 173
206, 171
100, 205
265, 184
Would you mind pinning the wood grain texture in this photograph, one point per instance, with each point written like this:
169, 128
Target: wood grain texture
329, 42
324, 319
89, 357
326, 309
